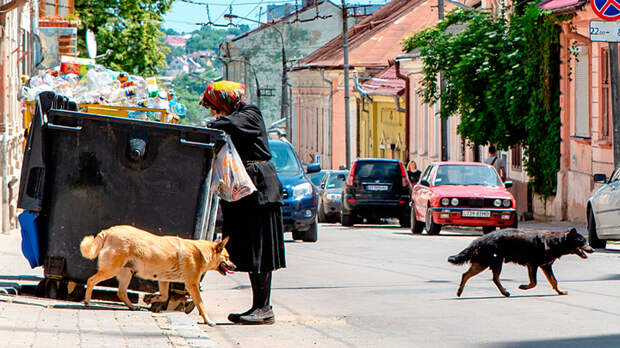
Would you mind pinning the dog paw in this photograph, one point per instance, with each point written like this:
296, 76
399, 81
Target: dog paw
86, 303
458, 293
506, 293
210, 323
562, 292
525, 286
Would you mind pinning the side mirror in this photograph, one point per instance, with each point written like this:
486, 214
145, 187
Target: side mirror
424, 182
508, 184
313, 168
600, 178
341, 177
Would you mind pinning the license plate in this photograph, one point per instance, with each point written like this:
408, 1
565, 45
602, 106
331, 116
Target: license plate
476, 213
377, 187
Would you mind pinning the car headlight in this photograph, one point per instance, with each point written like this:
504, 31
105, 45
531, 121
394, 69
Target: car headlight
445, 201
454, 201
333, 196
497, 203
507, 203
302, 190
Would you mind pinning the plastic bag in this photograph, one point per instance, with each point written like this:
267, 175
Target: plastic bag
230, 180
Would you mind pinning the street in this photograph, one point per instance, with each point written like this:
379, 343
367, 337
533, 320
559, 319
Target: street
362, 286
381, 286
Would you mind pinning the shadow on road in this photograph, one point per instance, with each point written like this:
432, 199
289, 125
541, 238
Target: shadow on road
498, 297
586, 341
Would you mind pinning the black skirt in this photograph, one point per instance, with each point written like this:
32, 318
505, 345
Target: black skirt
256, 234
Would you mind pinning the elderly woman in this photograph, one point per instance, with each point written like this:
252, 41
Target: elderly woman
254, 223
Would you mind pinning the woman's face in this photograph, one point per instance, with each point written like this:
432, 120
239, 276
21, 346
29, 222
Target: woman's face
412, 166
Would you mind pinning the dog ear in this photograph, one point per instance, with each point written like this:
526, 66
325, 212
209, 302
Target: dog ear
573, 231
221, 244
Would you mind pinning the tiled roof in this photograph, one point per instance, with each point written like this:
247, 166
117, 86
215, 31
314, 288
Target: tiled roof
385, 83
378, 37
557, 6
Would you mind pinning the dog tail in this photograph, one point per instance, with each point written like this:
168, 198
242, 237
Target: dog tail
461, 257
91, 245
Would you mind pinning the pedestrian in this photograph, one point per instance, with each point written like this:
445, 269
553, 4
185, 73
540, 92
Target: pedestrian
413, 172
253, 223
497, 162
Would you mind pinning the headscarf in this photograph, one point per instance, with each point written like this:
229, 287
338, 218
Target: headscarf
223, 96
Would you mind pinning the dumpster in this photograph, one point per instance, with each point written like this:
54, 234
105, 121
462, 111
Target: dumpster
86, 172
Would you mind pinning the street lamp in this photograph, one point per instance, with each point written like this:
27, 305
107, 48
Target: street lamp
284, 105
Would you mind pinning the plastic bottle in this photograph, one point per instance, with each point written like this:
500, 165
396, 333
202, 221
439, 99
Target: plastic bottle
151, 88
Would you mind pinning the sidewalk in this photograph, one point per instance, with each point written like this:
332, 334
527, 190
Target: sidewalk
39, 322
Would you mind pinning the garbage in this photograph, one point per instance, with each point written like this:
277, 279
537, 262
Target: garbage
85, 82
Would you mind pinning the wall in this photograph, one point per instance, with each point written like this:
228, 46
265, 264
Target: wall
258, 54
381, 132
16, 59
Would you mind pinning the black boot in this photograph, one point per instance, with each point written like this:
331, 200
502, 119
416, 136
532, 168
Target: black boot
234, 317
262, 313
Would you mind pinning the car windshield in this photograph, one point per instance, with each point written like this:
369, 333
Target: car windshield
284, 159
316, 177
467, 175
377, 170
336, 180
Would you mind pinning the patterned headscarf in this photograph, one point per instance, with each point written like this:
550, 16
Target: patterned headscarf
223, 96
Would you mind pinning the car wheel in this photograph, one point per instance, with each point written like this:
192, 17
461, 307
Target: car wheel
346, 219
404, 221
488, 229
416, 226
298, 235
593, 239
321, 213
312, 234
431, 227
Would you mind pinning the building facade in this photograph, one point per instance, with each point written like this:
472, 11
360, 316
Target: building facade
255, 58
17, 45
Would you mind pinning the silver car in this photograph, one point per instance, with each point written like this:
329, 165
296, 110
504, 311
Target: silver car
604, 210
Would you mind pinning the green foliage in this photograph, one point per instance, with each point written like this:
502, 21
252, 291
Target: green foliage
130, 29
502, 78
207, 38
189, 89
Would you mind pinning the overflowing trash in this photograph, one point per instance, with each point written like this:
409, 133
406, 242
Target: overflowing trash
85, 82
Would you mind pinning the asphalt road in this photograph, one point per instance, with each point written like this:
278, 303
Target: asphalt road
380, 286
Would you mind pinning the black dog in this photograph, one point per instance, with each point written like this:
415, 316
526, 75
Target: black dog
531, 249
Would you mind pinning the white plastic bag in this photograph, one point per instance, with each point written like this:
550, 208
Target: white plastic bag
231, 181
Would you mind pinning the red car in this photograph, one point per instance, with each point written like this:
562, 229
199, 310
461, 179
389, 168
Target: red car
463, 194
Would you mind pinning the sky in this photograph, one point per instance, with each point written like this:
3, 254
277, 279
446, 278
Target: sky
186, 13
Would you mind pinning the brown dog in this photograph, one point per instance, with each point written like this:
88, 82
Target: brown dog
126, 250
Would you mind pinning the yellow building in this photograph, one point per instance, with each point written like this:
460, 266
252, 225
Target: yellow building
381, 116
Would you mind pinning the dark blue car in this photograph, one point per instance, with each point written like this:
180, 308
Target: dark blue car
299, 211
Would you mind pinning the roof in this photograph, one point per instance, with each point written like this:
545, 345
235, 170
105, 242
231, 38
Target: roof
561, 6
175, 40
385, 83
378, 37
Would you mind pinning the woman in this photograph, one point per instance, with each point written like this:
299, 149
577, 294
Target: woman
254, 223
412, 172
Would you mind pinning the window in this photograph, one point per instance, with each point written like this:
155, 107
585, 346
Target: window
517, 157
582, 94
605, 114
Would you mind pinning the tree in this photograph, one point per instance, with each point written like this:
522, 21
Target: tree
130, 29
502, 78
189, 89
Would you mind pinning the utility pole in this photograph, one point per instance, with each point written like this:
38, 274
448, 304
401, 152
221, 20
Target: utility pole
347, 111
615, 99
442, 86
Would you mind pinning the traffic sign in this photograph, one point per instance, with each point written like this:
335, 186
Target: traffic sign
604, 31
608, 10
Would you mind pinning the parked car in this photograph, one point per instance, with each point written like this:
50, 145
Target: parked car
376, 188
604, 210
330, 194
300, 196
461, 193
315, 178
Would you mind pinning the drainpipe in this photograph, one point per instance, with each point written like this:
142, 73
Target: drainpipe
4, 9
407, 107
331, 118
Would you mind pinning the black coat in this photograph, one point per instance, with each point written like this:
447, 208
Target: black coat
254, 223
